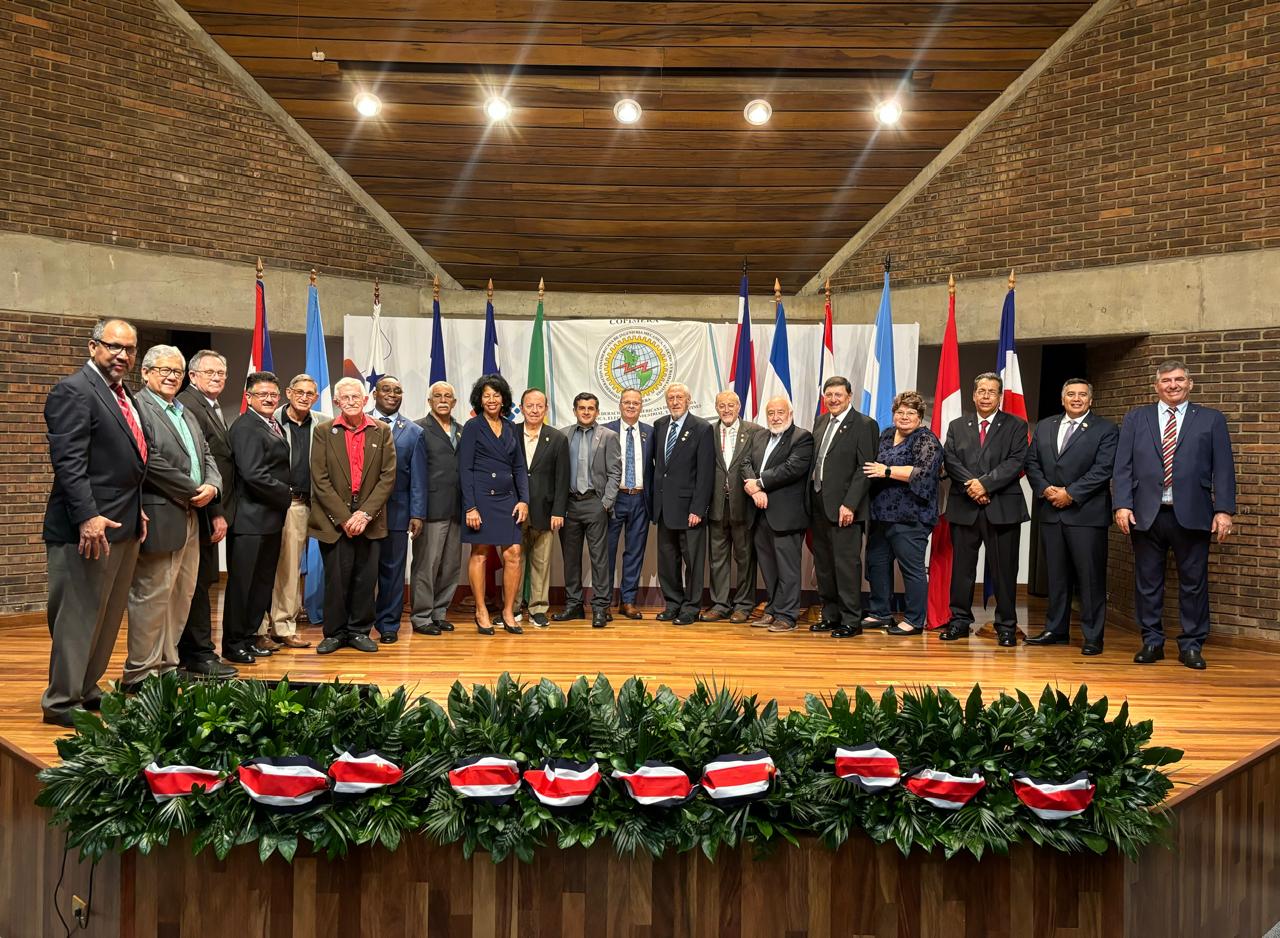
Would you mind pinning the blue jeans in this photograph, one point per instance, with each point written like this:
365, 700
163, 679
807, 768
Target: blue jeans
904, 541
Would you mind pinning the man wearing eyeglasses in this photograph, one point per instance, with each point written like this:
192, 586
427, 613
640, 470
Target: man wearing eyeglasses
93, 522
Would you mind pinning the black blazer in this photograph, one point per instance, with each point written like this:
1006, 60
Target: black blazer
1083, 468
784, 478
97, 468
998, 466
843, 483
728, 500
683, 487
548, 478
444, 500
262, 468
215, 434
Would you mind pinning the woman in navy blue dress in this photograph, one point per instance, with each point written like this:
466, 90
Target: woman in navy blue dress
495, 494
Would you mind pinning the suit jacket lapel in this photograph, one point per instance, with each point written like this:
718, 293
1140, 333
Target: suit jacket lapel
338, 442
110, 401
784, 445
1192, 410
1153, 414
371, 459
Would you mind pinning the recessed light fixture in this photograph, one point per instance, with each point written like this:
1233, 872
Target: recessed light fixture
888, 112
758, 112
627, 111
497, 108
368, 105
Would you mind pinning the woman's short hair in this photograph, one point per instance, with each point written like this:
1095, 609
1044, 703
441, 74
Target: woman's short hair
499, 384
911, 399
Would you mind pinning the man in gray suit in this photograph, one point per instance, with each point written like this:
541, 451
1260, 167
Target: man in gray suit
729, 533
595, 471
182, 477
437, 551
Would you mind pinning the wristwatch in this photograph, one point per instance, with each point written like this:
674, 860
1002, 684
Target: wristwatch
887, 472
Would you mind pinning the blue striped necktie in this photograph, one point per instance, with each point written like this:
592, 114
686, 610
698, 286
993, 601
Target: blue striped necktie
671, 442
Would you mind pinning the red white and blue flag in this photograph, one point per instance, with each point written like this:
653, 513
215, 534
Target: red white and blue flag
1010, 375
735, 777
777, 375
561, 783
260, 350
657, 785
827, 360
361, 773
173, 781
490, 360
868, 766
490, 778
742, 368
1053, 801
942, 789
284, 783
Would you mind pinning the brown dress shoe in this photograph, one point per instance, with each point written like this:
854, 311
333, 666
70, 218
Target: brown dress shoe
712, 616
290, 641
738, 617
763, 622
270, 644
630, 611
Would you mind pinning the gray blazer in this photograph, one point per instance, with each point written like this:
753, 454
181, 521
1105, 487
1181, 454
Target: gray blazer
167, 490
605, 463
728, 498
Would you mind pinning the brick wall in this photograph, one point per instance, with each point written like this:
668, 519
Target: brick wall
1237, 372
115, 129
1153, 136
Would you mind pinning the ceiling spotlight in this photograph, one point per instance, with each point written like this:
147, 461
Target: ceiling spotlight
368, 105
758, 112
627, 111
888, 112
497, 108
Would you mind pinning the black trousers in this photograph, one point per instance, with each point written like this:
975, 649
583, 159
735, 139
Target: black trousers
837, 561
1191, 554
1001, 542
196, 643
1077, 558
350, 578
779, 553
586, 519
682, 562
251, 572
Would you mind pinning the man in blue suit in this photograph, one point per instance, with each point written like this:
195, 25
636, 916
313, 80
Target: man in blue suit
630, 516
406, 509
1175, 486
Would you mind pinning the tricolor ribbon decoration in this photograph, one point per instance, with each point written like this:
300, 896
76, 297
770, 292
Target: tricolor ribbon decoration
1053, 801
942, 789
174, 781
361, 773
868, 766
657, 785
734, 777
284, 782
490, 778
561, 783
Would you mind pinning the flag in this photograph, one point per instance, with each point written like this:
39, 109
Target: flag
562, 783
491, 366
868, 766
260, 350
1054, 801
944, 790
1011, 402
742, 369
777, 379
437, 344
360, 773
537, 354
946, 408
318, 368
827, 360
879, 385
739, 777
379, 345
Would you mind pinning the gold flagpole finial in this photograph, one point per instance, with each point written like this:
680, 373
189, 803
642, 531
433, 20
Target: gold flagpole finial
951, 285
259, 268
828, 289
1012, 278
377, 292
313, 276
542, 287
777, 290
489, 292
435, 287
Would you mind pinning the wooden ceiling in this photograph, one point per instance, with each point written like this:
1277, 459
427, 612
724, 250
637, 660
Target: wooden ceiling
674, 203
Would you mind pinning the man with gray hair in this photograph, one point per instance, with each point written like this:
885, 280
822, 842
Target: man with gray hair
437, 551
729, 527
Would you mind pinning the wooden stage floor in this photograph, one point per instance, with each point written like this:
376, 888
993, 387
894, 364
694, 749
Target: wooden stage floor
1219, 716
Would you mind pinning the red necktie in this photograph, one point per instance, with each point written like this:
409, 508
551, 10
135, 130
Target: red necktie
982, 433
131, 421
1169, 443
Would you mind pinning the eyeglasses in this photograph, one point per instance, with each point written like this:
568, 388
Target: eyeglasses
211, 373
167, 372
351, 399
265, 395
113, 349
304, 394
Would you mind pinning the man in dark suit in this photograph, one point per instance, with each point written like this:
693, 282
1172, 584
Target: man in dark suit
437, 552
595, 470
207, 371
1069, 467
263, 497
546, 453
775, 474
1175, 487
406, 509
984, 456
839, 494
729, 529
93, 522
684, 469
630, 516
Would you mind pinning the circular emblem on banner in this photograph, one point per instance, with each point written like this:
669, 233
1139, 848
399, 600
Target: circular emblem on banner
635, 360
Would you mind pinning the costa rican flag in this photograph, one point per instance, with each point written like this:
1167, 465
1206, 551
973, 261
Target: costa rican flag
560, 783
1054, 801
944, 790
657, 785
739, 777
363, 773
285, 782
868, 767
494, 779
173, 781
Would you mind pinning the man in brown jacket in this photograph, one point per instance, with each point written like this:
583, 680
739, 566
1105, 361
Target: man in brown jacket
353, 472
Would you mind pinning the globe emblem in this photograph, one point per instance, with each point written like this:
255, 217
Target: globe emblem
635, 360
635, 366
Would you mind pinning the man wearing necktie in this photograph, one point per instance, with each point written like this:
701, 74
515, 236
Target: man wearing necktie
729, 528
1069, 467
93, 522
984, 456
629, 520
1175, 488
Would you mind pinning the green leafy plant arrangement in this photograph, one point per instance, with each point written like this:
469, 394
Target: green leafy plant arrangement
99, 795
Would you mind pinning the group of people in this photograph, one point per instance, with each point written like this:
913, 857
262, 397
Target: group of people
147, 484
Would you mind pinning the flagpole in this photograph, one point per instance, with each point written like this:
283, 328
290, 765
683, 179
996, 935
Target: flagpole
435, 289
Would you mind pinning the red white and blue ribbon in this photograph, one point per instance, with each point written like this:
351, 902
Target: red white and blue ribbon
942, 789
868, 766
488, 778
560, 783
657, 785
174, 781
739, 777
284, 782
1054, 801
359, 774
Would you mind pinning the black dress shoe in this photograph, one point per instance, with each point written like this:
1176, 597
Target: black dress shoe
847, 631
61, 718
239, 656
259, 651
512, 628
1047, 638
1149, 654
668, 615
539, 619
599, 620
569, 613
331, 644
1007, 638
444, 625
131, 687
824, 625
361, 643
389, 638
431, 628
1091, 648
93, 705
686, 618
954, 632
1192, 659
210, 667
